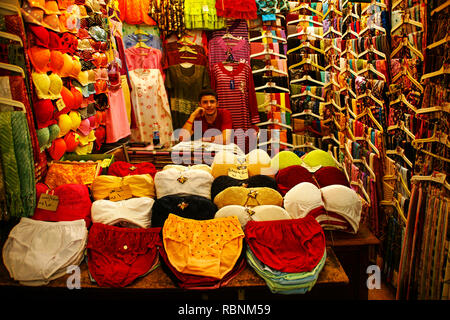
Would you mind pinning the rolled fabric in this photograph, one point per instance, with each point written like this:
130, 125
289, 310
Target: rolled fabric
135, 211
186, 206
141, 185
250, 197
193, 182
345, 202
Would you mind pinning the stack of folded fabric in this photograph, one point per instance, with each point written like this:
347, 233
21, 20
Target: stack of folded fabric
202, 254
40, 249
288, 254
122, 245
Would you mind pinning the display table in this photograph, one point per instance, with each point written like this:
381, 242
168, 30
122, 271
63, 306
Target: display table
246, 285
352, 250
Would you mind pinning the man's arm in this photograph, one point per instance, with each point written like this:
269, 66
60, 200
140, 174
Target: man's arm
189, 124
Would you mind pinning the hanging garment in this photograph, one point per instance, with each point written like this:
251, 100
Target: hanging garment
183, 87
143, 58
219, 50
236, 93
117, 125
150, 105
201, 14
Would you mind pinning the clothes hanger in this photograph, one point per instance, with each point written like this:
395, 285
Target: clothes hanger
370, 143
305, 44
406, 43
372, 49
306, 145
320, 24
273, 103
307, 93
443, 70
270, 68
268, 52
272, 85
275, 122
373, 3
368, 112
12, 67
229, 35
371, 68
307, 78
369, 94
402, 127
302, 33
440, 8
349, 70
306, 61
266, 35
332, 47
400, 152
331, 83
307, 7
361, 187
349, 49
12, 7
373, 26
406, 20
307, 112
405, 72
140, 31
275, 142
332, 30
439, 42
187, 49
332, 8
11, 36
350, 31
13, 103
436, 137
437, 177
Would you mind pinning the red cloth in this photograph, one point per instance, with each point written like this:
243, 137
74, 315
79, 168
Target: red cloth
118, 256
74, 203
122, 169
223, 121
237, 9
326, 176
289, 177
293, 246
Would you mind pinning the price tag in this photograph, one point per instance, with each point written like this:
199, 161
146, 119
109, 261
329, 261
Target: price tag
48, 202
60, 104
120, 193
238, 173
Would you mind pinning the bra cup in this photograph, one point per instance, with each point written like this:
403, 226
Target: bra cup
56, 85
40, 58
68, 65
42, 83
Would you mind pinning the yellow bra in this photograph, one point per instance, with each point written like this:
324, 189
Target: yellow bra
141, 185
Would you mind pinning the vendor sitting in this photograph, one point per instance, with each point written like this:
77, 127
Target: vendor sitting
208, 122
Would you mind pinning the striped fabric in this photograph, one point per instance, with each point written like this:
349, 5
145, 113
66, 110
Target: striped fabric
239, 98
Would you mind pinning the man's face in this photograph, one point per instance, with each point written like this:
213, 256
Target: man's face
209, 103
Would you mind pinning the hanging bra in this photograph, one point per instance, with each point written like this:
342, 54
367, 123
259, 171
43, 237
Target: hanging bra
47, 86
40, 58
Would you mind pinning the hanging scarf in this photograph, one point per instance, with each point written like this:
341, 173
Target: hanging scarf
10, 171
24, 155
2, 195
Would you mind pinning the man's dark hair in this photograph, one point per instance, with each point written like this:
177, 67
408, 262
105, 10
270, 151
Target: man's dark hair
207, 92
